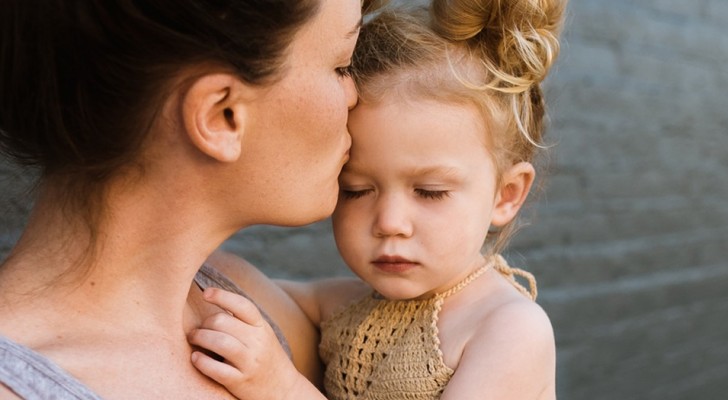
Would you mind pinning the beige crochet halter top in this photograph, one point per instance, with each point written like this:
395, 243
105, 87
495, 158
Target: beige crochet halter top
380, 349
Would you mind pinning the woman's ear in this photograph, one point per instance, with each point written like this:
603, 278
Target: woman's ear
514, 188
214, 115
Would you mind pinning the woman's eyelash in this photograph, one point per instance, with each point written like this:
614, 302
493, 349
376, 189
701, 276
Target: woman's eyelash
344, 72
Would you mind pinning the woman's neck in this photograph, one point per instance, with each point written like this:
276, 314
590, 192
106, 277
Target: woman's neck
137, 276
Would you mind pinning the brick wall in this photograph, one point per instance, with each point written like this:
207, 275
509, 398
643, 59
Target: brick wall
628, 236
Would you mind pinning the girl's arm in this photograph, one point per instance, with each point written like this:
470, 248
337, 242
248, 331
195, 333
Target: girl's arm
511, 356
319, 299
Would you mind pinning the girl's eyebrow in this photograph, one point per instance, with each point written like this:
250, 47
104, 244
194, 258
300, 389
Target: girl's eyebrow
440, 171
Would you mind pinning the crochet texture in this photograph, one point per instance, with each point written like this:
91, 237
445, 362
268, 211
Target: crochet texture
380, 349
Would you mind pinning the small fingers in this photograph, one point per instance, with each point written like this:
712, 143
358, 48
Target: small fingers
221, 343
220, 372
239, 306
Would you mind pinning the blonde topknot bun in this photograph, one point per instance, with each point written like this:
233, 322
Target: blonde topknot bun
517, 39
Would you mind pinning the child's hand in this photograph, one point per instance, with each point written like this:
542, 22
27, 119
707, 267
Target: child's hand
255, 365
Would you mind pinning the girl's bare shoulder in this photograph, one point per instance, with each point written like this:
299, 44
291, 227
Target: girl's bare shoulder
505, 343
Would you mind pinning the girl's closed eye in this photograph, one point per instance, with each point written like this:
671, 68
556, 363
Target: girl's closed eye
352, 194
432, 194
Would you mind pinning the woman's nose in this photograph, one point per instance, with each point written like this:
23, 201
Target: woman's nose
392, 218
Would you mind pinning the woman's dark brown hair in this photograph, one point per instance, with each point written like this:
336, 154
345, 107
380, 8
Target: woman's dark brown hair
81, 80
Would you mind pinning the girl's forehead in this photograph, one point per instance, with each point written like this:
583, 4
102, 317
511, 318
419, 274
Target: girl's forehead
416, 138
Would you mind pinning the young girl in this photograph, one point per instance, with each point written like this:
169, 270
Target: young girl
449, 119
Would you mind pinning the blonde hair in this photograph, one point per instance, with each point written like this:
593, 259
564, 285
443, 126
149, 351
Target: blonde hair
493, 54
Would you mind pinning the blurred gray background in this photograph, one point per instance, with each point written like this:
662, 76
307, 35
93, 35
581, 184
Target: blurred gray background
628, 237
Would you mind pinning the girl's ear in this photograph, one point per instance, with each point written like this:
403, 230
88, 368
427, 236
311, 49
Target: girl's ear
214, 113
514, 188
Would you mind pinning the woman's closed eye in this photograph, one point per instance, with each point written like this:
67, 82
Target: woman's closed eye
344, 72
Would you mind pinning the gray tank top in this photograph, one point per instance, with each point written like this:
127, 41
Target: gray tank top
32, 376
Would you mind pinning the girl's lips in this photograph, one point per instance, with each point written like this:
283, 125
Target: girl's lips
392, 259
393, 264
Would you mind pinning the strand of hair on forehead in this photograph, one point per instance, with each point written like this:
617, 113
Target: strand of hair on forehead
370, 6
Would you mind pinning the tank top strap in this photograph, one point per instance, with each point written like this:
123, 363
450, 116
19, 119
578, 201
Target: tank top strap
31, 375
501, 265
209, 276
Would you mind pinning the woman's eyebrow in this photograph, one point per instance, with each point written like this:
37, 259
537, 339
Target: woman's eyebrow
356, 29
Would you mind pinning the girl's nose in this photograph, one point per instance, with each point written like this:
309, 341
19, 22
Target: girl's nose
392, 218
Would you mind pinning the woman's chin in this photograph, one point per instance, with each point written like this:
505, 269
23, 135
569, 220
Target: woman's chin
309, 215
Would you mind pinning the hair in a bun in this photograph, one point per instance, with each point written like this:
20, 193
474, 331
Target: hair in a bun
517, 43
518, 38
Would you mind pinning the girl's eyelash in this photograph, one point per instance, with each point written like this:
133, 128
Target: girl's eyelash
353, 194
426, 194
432, 194
344, 72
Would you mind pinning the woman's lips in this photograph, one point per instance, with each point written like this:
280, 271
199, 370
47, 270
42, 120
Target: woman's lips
393, 264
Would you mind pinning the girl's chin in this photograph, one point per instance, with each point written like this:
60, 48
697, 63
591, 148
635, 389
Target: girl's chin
397, 294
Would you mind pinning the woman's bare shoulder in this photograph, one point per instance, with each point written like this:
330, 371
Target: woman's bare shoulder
236, 268
256, 285
7, 394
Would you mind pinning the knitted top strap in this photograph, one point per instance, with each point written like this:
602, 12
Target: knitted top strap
465, 282
510, 273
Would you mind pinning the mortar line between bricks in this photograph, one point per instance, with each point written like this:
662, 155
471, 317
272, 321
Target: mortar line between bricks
633, 284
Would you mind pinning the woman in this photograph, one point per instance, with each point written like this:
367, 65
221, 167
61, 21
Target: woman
159, 128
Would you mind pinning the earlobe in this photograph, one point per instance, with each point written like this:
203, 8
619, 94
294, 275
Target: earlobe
514, 188
214, 115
